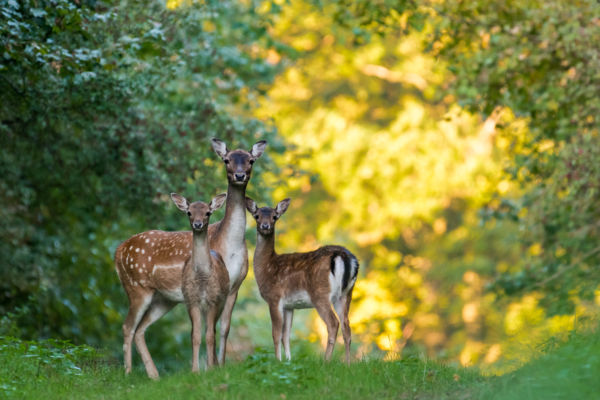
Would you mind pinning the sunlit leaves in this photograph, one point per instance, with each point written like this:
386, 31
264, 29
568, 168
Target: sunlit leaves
535, 58
392, 170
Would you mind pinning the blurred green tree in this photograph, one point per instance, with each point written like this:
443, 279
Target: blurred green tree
105, 108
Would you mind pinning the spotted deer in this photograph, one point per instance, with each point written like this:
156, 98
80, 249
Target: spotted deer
323, 279
205, 279
150, 264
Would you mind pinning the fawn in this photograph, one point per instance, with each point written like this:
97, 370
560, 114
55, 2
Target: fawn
323, 279
205, 278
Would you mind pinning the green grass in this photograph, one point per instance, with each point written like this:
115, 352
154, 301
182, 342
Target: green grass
569, 370
54, 369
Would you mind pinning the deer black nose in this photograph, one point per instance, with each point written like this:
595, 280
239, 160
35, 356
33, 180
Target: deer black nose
239, 177
264, 226
197, 225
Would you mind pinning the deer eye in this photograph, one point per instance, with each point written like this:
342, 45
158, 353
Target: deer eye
226, 161
275, 217
251, 162
189, 214
208, 214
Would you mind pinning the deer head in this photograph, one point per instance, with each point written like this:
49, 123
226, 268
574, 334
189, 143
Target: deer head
266, 216
198, 211
238, 163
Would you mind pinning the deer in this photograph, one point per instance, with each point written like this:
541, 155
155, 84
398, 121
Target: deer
159, 257
205, 278
322, 279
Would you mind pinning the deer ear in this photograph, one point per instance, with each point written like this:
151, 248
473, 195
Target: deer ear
217, 202
281, 207
219, 147
251, 206
258, 148
180, 201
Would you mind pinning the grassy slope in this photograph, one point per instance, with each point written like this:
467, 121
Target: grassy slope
49, 371
571, 371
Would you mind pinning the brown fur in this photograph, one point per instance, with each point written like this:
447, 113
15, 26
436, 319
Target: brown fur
145, 284
205, 296
281, 275
205, 279
283, 278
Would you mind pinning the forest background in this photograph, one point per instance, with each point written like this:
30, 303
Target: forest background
451, 145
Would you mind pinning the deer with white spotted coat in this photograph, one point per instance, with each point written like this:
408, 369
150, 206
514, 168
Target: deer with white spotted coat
152, 262
322, 279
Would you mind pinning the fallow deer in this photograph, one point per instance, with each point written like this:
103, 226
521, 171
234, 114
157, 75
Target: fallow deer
321, 279
205, 278
159, 257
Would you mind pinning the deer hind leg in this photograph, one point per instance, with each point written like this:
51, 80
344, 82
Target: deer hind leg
137, 307
328, 316
277, 328
225, 324
288, 316
342, 307
157, 309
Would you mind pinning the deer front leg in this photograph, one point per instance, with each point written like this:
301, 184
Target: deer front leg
328, 316
277, 328
288, 316
211, 353
196, 318
225, 325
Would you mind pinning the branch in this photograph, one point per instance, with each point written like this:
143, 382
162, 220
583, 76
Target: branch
568, 267
389, 75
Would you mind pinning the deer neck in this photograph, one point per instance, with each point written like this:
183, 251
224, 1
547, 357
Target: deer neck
229, 239
201, 253
233, 225
264, 252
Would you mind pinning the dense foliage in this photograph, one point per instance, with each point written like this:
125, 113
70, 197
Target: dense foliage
452, 145
106, 109
538, 59
535, 60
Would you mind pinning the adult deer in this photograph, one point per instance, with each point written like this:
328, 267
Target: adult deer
323, 279
150, 264
205, 278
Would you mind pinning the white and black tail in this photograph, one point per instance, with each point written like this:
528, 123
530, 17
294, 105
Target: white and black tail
344, 265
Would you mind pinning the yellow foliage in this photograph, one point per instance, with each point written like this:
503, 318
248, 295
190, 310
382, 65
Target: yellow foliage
471, 353
535, 249
377, 162
493, 354
522, 315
